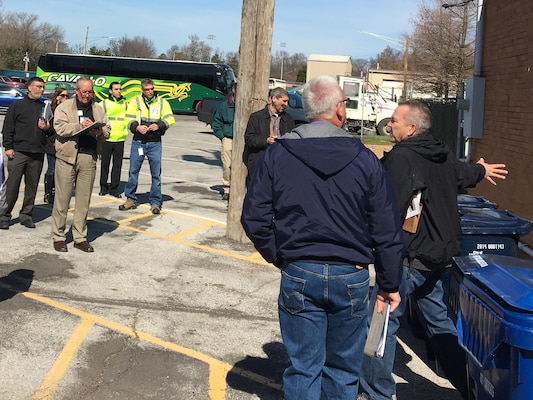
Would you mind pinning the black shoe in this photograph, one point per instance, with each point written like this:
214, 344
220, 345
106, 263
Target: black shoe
28, 223
4, 224
225, 197
102, 193
117, 195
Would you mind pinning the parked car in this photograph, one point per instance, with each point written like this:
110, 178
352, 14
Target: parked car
8, 94
8, 81
295, 109
50, 88
22, 81
207, 107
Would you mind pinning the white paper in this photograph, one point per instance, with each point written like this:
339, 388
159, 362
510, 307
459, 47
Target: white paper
414, 207
87, 130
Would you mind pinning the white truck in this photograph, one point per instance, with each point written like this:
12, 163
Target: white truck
366, 107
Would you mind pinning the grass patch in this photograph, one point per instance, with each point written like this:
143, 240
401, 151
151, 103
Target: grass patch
375, 140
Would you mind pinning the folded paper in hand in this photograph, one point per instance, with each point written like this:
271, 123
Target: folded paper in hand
377, 333
413, 214
88, 129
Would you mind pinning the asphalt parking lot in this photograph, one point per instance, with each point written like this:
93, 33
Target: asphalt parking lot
165, 308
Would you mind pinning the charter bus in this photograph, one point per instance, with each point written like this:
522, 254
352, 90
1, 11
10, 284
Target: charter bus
182, 83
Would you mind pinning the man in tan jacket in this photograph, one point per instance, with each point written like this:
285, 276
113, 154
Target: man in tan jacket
76, 152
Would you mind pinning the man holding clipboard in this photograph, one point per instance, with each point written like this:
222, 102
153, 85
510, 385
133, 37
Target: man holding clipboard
79, 123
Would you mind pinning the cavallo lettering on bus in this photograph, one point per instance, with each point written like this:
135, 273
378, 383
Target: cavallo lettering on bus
99, 81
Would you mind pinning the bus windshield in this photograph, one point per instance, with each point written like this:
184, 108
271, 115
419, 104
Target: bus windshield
182, 83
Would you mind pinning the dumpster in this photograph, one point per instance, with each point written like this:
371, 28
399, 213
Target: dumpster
486, 231
492, 231
495, 325
468, 201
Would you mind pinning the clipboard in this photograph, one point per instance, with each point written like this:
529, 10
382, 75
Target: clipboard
87, 130
377, 333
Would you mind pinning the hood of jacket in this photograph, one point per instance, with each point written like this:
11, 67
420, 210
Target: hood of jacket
329, 150
426, 146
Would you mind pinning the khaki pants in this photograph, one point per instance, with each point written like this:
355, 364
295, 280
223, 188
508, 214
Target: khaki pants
227, 147
67, 177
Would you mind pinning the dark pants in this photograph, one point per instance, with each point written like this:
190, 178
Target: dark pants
29, 165
114, 151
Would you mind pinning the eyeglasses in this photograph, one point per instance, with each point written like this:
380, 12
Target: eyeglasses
86, 91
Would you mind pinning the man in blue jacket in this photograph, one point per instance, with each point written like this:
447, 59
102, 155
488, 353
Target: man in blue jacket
320, 207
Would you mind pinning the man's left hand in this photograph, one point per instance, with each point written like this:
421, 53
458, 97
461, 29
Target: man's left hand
493, 171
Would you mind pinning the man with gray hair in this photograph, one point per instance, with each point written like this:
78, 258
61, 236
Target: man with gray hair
264, 127
320, 208
422, 169
76, 152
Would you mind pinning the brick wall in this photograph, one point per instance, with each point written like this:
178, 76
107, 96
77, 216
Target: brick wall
508, 121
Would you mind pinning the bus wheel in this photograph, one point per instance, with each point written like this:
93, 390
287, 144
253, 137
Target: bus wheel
381, 128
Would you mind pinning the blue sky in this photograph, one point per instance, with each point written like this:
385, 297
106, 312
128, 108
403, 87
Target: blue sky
305, 26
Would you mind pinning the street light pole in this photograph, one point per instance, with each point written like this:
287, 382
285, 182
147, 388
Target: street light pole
85, 43
211, 38
282, 46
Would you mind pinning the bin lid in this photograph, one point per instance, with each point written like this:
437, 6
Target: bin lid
483, 221
468, 201
508, 279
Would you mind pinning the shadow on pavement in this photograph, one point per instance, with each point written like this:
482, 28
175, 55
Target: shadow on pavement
270, 368
15, 282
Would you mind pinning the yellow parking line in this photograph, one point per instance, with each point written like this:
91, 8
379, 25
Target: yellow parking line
55, 375
218, 370
188, 232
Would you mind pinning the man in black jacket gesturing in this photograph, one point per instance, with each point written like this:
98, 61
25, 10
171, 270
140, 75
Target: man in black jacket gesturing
421, 165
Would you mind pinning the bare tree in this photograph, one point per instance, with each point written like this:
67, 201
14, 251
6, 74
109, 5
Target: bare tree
138, 47
22, 33
232, 59
443, 45
389, 58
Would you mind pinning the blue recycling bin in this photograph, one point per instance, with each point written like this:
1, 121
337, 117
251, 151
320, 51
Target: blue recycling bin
490, 231
469, 201
495, 325
486, 231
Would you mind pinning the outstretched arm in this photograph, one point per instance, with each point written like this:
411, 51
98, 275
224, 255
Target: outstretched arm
493, 171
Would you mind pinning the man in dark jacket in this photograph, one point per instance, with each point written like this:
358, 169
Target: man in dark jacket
320, 208
264, 127
24, 140
223, 129
422, 167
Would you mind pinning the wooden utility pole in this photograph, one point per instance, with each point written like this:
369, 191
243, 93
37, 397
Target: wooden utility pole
252, 91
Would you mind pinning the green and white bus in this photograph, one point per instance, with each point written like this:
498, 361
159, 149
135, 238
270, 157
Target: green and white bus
182, 83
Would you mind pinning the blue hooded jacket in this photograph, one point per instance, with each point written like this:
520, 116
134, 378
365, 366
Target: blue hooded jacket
319, 195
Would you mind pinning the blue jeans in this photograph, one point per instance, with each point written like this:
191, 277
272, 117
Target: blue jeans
152, 151
377, 380
323, 320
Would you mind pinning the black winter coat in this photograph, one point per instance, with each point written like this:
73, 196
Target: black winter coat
424, 163
256, 135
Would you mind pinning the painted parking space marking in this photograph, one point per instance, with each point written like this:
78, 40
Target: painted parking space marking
218, 370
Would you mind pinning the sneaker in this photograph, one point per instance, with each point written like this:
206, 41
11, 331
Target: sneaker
4, 224
128, 205
155, 209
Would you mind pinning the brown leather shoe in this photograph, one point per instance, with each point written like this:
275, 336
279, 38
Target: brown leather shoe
61, 246
84, 246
